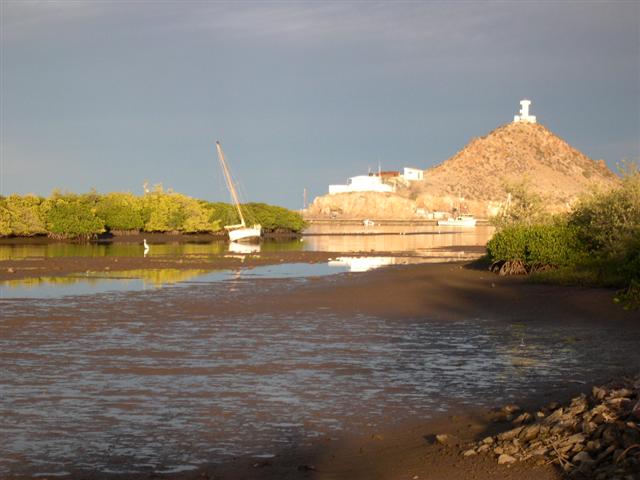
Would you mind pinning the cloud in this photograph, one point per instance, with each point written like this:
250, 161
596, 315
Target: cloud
26, 17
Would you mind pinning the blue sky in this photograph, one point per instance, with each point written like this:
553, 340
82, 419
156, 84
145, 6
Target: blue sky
108, 94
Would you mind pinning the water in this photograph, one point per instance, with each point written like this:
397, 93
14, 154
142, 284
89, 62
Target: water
433, 244
164, 370
324, 239
168, 379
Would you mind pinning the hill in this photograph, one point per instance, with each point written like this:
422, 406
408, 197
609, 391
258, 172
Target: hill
476, 179
511, 154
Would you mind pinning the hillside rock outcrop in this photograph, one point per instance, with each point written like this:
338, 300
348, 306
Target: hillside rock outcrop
360, 205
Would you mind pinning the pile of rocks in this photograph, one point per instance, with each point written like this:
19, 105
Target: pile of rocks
596, 436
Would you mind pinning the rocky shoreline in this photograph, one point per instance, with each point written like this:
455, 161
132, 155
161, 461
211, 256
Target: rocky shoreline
594, 436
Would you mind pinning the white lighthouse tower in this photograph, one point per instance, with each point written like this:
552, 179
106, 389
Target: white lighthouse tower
524, 116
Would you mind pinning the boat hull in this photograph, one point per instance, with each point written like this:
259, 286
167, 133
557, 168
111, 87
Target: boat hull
456, 222
245, 234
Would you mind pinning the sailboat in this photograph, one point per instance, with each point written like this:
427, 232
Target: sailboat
239, 232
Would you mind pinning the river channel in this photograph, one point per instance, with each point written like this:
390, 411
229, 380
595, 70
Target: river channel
141, 380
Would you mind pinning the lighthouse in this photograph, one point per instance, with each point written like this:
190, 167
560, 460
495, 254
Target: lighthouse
524, 116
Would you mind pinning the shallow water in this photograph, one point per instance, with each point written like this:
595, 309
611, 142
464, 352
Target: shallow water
433, 244
134, 382
324, 240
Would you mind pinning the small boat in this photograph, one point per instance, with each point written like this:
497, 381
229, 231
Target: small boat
239, 232
464, 220
368, 223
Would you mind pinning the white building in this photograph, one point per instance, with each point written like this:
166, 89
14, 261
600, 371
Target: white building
524, 116
361, 183
413, 174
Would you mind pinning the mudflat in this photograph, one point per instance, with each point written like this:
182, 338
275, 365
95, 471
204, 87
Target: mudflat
444, 292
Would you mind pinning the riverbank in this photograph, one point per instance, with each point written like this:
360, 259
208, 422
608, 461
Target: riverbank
433, 294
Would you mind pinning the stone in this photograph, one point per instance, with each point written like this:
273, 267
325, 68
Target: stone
469, 453
623, 392
510, 434
511, 408
554, 417
505, 459
530, 433
488, 440
582, 456
522, 418
11, 270
573, 439
483, 448
445, 439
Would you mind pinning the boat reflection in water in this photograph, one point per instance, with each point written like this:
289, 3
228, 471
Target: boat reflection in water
362, 264
244, 248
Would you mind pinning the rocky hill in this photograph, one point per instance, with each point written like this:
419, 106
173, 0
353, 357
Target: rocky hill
361, 205
476, 178
514, 153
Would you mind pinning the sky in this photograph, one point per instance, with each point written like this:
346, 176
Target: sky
301, 94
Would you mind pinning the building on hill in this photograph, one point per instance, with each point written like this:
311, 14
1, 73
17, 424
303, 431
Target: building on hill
362, 183
413, 174
383, 181
524, 116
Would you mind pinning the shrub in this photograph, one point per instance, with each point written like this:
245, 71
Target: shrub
523, 207
72, 216
536, 246
21, 216
121, 212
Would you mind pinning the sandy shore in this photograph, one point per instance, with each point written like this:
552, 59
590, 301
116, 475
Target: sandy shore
444, 292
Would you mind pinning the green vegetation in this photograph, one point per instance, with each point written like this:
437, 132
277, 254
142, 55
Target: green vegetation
84, 216
596, 244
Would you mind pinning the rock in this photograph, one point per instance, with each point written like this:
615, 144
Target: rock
623, 392
11, 270
635, 411
469, 453
505, 459
523, 418
510, 434
488, 440
582, 457
483, 448
530, 433
445, 439
509, 409
609, 435
554, 417
573, 439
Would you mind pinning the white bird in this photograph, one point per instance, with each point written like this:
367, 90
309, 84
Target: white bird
146, 246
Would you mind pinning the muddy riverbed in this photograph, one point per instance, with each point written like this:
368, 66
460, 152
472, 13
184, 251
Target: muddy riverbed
215, 375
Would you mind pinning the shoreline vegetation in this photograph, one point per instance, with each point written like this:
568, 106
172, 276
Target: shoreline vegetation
85, 217
596, 244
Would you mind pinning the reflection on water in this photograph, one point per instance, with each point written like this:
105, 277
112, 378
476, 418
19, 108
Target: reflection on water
244, 248
141, 382
136, 280
430, 239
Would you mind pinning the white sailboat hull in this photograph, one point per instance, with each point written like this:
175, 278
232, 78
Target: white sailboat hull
245, 234
458, 222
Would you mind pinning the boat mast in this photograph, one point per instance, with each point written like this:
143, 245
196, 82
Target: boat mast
227, 176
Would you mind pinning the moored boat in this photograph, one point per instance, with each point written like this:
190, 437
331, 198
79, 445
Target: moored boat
239, 232
464, 220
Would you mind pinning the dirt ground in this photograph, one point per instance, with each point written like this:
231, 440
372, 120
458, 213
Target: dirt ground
444, 291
